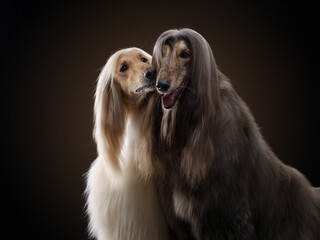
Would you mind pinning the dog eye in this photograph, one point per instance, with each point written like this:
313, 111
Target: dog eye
144, 59
123, 68
185, 54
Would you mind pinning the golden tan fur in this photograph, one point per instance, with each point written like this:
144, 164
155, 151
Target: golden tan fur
120, 93
131, 79
122, 202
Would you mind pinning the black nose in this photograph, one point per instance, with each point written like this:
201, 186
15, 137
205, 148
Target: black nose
150, 74
163, 85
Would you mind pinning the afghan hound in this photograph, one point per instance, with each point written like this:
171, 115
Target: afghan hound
122, 202
216, 176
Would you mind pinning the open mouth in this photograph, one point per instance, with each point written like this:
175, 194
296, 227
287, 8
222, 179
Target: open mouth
170, 99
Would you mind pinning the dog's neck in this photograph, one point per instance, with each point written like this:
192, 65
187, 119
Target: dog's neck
137, 146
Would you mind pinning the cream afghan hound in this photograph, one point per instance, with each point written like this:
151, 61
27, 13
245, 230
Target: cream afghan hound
217, 178
122, 202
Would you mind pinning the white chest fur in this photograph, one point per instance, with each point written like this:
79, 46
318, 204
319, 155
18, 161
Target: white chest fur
183, 206
123, 205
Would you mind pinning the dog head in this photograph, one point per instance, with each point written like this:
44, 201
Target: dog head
171, 80
131, 69
184, 61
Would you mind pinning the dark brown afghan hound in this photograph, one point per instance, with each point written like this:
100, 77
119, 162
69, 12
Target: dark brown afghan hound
217, 177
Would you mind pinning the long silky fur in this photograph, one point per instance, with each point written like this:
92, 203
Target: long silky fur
122, 202
216, 176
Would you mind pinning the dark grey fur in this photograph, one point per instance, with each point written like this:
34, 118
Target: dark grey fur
220, 163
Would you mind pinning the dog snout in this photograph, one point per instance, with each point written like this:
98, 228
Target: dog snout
163, 85
150, 74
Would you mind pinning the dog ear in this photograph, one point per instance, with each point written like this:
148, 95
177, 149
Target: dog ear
198, 154
109, 116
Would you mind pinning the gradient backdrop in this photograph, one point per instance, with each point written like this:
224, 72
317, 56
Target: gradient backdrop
52, 53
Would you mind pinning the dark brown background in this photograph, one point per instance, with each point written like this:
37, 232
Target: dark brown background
52, 53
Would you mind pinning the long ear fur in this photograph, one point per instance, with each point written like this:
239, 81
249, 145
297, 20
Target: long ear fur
202, 104
197, 155
109, 115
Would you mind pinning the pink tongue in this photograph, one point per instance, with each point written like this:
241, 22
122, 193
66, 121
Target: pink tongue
168, 99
